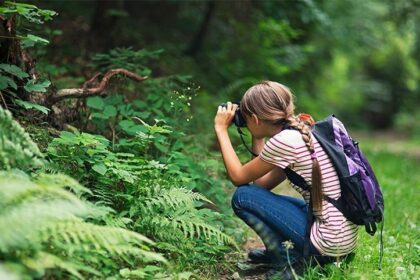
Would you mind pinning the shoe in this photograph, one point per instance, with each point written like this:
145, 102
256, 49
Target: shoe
285, 272
259, 256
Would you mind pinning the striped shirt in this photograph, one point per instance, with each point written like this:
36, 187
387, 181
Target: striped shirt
331, 234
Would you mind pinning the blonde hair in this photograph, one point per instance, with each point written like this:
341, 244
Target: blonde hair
272, 102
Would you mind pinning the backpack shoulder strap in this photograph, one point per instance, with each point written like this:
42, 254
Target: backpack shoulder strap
296, 179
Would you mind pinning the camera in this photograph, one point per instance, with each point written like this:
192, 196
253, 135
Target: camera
238, 119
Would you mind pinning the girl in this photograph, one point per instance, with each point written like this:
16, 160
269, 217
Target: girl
267, 108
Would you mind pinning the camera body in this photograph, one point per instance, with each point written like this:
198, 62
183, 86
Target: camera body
238, 119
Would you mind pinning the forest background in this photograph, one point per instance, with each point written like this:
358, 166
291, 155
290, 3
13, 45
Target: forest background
118, 173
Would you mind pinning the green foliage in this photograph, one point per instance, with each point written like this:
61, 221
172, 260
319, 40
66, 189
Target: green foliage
30, 15
167, 211
42, 228
17, 150
33, 85
126, 58
23, 16
30, 105
30, 12
13, 70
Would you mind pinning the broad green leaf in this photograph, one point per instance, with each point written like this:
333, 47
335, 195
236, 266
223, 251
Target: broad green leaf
6, 82
129, 127
143, 115
95, 102
140, 104
30, 41
34, 106
100, 168
6, 10
110, 111
20, 4
14, 70
162, 148
99, 115
39, 87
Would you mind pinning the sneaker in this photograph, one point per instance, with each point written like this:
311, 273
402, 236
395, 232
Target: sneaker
259, 256
285, 272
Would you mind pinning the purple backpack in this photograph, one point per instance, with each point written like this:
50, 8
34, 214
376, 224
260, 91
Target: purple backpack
361, 199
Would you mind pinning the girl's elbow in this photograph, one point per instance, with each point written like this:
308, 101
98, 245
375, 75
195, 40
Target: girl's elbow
237, 181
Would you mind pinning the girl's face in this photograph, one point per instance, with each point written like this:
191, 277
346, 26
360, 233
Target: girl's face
254, 126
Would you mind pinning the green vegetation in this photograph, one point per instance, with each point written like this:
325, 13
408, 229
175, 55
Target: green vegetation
109, 167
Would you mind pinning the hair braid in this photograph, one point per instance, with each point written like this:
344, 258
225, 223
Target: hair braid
316, 188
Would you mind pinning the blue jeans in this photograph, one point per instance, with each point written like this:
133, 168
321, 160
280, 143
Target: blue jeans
275, 218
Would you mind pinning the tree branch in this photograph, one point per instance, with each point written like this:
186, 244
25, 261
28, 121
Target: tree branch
87, 91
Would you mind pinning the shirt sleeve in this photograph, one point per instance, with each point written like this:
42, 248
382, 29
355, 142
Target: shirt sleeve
277, 152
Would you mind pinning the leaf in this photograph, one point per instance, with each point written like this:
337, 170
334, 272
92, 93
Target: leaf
99, 116
20, 4
37, 39
34, 106
39, 87
110, 111
95, 102
129, 127
100, 168
6, 82
161, 147
14, 70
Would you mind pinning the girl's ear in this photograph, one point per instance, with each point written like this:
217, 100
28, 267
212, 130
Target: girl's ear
255, 119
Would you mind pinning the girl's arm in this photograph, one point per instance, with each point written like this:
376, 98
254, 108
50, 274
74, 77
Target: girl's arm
239, 174
272, 178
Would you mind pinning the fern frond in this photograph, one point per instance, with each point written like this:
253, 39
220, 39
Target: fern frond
167, 227
16, 188
20, 226
17, 150
44, 260
6, 274
193, 229
115, 241
173, 198
60, 181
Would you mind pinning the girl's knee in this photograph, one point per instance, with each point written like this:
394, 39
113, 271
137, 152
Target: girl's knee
243, 192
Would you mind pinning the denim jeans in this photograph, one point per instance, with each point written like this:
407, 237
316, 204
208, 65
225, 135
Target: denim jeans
275, 218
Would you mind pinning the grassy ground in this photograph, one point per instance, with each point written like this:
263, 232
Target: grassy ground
396, 164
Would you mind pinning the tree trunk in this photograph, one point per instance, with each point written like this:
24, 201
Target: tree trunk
197, 42
103, 24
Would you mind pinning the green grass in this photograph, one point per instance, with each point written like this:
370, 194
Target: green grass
399, 176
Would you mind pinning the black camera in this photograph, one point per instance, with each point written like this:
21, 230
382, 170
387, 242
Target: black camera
239, 119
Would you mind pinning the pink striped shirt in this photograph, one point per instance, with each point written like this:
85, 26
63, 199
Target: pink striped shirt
332, 234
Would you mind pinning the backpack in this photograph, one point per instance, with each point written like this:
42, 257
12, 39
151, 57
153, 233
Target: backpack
361, 199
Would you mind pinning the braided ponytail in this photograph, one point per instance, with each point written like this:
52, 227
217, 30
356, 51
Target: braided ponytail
316, 188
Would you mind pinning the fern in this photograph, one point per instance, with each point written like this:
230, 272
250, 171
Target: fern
145, 193
170, 215
43, 261
173, 198
39, 217
191, 228
17, 150
115, 241
125, 58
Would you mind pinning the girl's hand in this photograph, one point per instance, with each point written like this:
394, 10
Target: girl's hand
224, 116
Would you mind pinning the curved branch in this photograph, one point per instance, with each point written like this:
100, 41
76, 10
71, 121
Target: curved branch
86, 92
